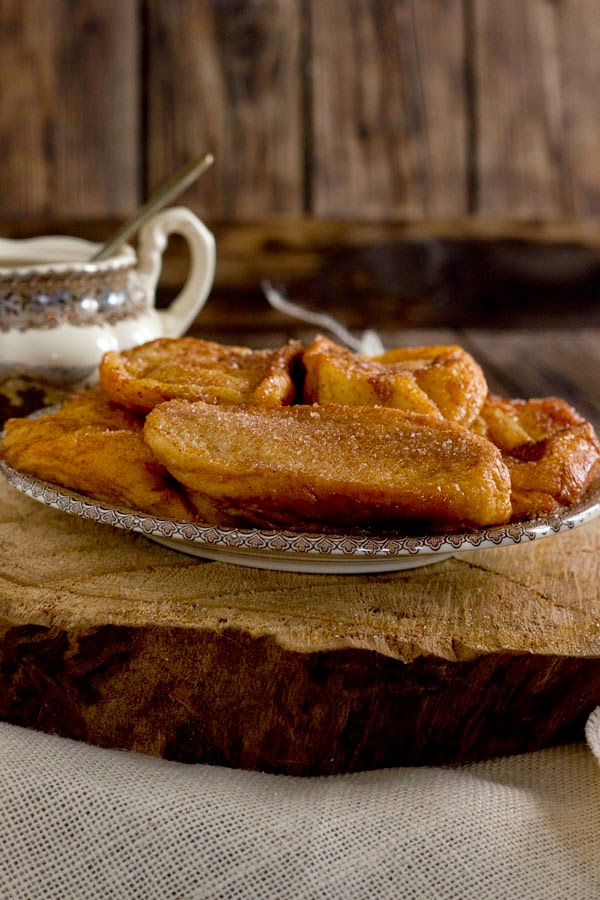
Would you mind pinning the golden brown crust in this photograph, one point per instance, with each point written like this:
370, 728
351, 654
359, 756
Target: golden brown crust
97, 449
192, 369
552, 453
384, 457
443, 381
330, 466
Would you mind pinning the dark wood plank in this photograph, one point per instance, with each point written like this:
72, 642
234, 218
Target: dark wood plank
386, 276
455, 274
69, 122
579, 39
388, 108
225, 76
537, 107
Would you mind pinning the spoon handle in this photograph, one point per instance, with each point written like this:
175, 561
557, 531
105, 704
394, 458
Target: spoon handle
171, 189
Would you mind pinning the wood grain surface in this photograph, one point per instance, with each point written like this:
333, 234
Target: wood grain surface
109, 638
536, 68
363, 109
70, 112
452, 273
388, 109
226, 77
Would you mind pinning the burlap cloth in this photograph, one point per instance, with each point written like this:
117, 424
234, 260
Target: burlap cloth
81, 822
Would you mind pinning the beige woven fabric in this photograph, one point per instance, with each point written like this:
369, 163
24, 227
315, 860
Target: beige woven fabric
81, 822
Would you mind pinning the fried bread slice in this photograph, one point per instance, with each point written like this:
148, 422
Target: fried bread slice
193, 369
552, 453
96, 448
330, 467
443, 381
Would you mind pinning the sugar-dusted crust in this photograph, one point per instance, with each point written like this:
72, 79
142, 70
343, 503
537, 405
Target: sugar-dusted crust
96, 448
443, 381
330, 466
552, 453
193, 369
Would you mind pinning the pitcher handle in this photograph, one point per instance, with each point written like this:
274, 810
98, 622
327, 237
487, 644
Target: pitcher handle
153, 240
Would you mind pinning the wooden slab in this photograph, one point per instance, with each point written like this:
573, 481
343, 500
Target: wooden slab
112, 639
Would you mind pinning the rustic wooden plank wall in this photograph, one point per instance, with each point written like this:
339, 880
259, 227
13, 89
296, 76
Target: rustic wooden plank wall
226, 76
362, 109
536, 85
70, 107
388, 109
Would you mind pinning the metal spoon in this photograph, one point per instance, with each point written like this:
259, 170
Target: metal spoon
171, 189
369, 343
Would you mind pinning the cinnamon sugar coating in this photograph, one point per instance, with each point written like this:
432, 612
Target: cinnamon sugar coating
552, 453
443, 381
193, 369
330, 466
96, 448
413, 443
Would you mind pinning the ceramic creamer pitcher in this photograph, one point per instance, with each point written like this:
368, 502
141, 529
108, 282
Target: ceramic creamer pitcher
59, 312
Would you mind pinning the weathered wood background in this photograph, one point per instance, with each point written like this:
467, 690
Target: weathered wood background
360, 111
355, 108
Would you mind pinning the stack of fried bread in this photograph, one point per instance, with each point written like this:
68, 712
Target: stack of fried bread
319, 439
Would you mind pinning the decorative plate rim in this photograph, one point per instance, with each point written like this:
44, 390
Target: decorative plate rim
305, 544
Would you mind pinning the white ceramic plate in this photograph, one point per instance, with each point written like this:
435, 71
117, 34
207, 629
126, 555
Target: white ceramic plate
303, 551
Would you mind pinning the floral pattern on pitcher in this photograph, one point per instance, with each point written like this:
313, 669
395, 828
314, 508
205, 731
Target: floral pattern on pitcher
46, 301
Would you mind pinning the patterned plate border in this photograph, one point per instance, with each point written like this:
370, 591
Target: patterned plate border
306, 544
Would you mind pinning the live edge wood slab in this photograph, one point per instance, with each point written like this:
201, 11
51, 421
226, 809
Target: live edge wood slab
109, 638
